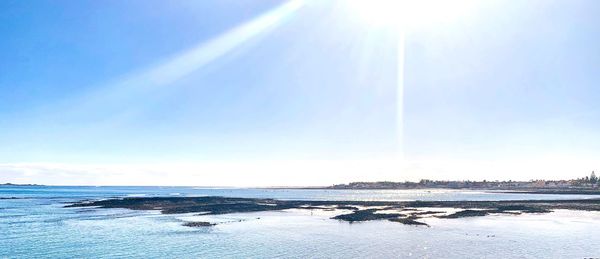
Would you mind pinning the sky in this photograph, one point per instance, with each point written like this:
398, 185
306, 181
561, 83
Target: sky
276, 93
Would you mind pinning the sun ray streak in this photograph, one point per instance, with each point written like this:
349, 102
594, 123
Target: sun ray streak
400, 94
130, 87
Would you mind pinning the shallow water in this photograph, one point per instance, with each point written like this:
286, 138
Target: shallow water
39, 227
85, 192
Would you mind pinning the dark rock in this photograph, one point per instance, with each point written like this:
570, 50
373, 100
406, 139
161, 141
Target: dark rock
198, 224
466, 213
365, 215
408, 221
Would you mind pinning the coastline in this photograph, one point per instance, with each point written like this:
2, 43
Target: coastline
524, 190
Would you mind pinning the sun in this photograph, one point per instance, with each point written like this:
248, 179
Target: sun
409, 14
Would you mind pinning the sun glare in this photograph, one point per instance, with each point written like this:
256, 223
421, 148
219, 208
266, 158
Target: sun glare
399, 17
406, 13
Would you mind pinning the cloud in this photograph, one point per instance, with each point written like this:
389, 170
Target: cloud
209, 173
263, 173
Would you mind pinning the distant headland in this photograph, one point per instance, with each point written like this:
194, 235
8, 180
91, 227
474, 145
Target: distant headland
15, 184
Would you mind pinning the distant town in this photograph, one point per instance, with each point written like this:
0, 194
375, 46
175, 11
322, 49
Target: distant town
590, 183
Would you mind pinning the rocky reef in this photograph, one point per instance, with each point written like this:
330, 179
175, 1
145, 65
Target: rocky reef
408, 212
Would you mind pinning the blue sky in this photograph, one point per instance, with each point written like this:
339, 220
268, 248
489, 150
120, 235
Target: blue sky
295, 93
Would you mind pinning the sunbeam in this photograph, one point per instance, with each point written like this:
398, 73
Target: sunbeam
401, 17
130, 87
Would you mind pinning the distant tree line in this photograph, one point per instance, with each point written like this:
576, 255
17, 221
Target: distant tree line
592, 179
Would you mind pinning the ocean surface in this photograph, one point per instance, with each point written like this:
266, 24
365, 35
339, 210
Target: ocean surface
36, 225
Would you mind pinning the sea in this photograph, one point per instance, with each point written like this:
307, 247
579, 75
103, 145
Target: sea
35, 224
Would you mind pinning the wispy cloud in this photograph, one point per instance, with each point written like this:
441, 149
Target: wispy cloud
299, 172
208, 173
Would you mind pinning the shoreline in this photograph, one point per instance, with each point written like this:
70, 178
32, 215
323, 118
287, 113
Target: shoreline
524, 191
566, 191
404, 212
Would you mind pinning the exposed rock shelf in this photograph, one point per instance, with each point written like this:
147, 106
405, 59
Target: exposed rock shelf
403, 212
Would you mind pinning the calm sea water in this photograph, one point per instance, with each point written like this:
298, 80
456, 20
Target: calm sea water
39, 227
